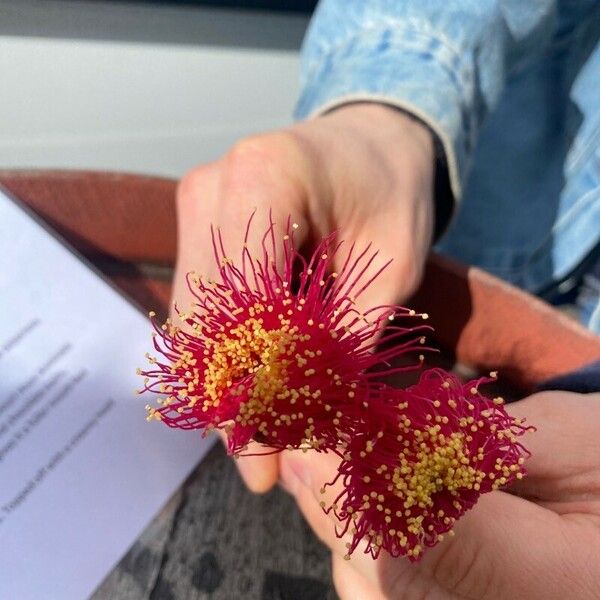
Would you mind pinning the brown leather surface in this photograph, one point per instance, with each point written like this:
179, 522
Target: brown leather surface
120, 221
492, 325
129, 217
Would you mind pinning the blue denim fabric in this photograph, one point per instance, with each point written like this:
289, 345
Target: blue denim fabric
585, 380
512, 90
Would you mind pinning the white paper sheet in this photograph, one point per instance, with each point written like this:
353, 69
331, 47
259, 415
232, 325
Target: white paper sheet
81, 471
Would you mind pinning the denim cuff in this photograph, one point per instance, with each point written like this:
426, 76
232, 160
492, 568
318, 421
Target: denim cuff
584, 381
403, 67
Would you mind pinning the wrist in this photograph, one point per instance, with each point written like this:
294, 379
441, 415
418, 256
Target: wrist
384, 127
355, 142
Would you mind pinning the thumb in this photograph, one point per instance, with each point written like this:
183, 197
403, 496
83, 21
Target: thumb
564, 446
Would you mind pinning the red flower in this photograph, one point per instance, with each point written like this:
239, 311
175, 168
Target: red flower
283, 358
424, 460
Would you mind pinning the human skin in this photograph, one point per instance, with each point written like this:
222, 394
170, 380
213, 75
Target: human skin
363, 170
538, 540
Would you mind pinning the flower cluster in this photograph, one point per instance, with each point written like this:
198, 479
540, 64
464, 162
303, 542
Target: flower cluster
288, 361
422, 461
282, 355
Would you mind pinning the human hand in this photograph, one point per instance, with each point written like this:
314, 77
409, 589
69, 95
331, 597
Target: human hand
539, 539
364, 170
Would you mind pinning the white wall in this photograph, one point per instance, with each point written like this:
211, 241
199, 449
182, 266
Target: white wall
140, 106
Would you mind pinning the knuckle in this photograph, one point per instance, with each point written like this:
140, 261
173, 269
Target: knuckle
261, 155
193, 181
253, 169
246, 158
256, 149
259, 168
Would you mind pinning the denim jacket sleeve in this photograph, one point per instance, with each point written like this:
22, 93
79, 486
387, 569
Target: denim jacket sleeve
445, 61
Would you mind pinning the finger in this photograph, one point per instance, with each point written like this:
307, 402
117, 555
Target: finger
398, 280
511, 548
248, 183
193, 251
393, 270
349, 583
258, 181
565, 446
264, 171
196, 192
259, 473
253, 186
304, 475
263, 177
